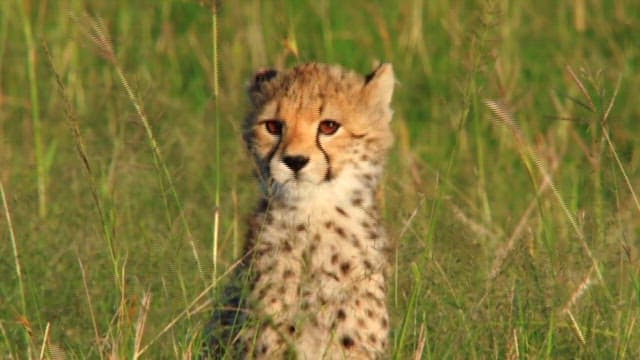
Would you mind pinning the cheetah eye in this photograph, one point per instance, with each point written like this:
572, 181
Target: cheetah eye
328, 127
274, 127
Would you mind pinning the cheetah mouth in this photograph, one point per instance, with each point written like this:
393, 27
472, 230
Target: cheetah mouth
296, 187
297, 182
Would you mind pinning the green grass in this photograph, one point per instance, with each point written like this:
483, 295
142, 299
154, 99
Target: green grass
510, 192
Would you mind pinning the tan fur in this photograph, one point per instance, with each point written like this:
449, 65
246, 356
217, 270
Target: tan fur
317, 249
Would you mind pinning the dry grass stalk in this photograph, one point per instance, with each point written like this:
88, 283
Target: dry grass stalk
584, 285
9, 351
582, 88
612, 148
45, 341
96, 333
627, 334
516, 348
14, 245
575, 328
579, 15
605, 131
477, 228
97, 32
527, 152
501, 254
73, 122
140, 323
405, 228
16, 257
422, 338
188, 354
205, 292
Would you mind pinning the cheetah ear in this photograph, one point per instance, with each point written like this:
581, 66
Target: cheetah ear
378, 86
255, 87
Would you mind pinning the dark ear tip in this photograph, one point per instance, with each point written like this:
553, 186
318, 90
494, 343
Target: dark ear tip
378, 69
369, 76
263, 75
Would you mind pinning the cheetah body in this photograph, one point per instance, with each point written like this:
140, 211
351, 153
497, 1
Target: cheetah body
317, 250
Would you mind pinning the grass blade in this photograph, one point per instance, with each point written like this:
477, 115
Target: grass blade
41, 175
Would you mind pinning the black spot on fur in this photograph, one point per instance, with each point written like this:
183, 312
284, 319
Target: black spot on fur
262, 292
345, 267
362, 323
332, 275
341, 315
341, 211
287, 274
347, 342
368, 265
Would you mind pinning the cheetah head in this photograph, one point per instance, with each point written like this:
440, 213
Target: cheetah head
316, 124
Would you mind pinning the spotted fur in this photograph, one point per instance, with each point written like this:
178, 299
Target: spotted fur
317, 250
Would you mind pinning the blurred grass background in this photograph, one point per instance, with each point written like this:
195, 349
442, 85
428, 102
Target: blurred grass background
514, 241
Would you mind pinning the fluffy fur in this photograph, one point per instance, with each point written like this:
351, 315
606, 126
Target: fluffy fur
316, 254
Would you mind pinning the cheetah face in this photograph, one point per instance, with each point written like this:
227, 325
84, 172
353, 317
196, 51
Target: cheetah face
310, 125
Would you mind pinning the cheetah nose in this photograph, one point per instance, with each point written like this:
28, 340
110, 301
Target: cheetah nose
296, 162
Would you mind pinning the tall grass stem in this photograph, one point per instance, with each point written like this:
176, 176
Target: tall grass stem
216, 112
16, 258
81, 150
94, 323
35, 110
158, 160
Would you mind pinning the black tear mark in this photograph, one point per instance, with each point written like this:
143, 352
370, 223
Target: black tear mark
327, 175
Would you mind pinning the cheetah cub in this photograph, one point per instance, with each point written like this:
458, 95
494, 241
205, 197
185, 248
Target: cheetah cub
317, 252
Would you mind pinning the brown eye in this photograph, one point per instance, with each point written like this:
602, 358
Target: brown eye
328, 127
274, 127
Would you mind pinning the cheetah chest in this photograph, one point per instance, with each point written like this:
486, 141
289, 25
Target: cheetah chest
320, 282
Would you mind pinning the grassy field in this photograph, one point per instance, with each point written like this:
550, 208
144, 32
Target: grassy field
511, 192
